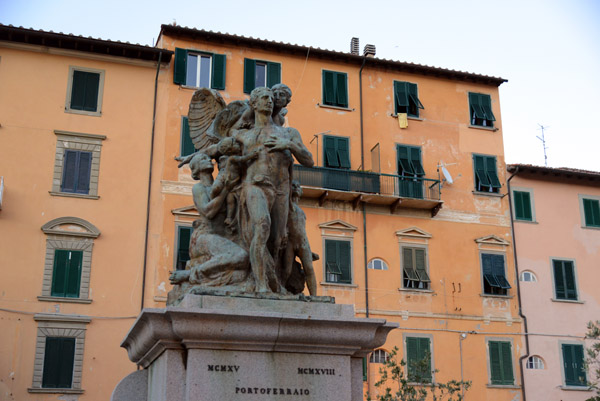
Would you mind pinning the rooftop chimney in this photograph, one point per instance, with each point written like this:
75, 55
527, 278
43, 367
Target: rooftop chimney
354, 46
369, 51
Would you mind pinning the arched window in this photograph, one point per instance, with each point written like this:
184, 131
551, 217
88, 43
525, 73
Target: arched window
535, 362
377, 264
528, 276
379, 356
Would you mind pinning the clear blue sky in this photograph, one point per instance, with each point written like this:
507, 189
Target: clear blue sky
548, 50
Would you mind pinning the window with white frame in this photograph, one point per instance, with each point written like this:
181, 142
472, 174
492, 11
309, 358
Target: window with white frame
377, 264
379, 356
535, 362
199, 69
528, 276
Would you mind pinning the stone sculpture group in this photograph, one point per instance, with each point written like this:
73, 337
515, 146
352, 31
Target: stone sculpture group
250, 228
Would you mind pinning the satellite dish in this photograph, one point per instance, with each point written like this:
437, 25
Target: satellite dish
447, 175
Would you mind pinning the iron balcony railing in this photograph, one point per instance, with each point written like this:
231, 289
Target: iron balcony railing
367, 182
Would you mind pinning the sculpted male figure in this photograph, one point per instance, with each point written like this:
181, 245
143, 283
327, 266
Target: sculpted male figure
265, 198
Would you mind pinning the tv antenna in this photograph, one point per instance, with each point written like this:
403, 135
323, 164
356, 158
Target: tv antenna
543, 139
447, 176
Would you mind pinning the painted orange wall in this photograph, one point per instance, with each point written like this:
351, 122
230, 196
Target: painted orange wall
455, 303
32, 106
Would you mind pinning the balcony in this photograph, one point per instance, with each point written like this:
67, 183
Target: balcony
324, 183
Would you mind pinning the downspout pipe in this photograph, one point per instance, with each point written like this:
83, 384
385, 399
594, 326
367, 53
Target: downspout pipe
364, 211
150, 183
362, 163
512, 229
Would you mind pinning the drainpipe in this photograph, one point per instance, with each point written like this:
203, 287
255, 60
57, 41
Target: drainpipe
364, 211
149, 184
462, 386
362, 163
512, 228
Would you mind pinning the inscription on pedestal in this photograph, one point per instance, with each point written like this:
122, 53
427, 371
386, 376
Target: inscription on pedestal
236, 375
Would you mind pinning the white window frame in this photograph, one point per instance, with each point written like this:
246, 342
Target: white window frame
535, 362
531, 274
372, 262
199, 55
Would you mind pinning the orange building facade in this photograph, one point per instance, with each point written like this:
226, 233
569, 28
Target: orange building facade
75, 139
395, 237
405, 204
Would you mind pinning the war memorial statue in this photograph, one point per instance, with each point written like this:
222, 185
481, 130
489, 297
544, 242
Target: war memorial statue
249, 229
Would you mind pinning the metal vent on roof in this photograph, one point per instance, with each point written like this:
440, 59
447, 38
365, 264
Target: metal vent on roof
369, 51
354, 47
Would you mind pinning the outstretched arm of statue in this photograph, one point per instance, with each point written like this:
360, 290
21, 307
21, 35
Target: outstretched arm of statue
211, 151
294, 144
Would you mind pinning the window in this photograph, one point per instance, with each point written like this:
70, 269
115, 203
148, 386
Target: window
66, 274
337, 152
76, 171
486, 177
84, 91
187, 146
494, 276
418, 359
379, 356
260, 73
500, 359
59, 353
406, 99
480, 106
414, 268
338, 262
522, 205
76, 164
199, 69
68, 260
335, 89
184, 234
528, 276
535, 362
574, 364
591, 212
564, 280
377, 264
410, 170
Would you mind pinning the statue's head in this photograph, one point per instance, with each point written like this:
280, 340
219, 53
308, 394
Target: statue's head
282, 94
201, 162
261, 100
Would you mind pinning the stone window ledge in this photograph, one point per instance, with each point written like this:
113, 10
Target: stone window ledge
492, 194
493, 129
575, 388
567, 301
56, 390
525, 221
496, 296
327, 106
395, 115
72, 195
416, 291
67, 300
325, 284
502, 386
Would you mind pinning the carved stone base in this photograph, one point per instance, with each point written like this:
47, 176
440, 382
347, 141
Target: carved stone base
234, 348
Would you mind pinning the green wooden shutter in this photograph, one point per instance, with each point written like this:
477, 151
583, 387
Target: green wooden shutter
407, 258
218, 71
415, 159
579, 365
92, 82
559, 279
412, 357
249, 75
591, 211
187, 146
59, 273
328, 88
180, 66
342, 89
413, 94
421, 265
475, 106
404, 163
343, 152
184, 234
495, 362
331, 156
424, 352
507, 370
569, 274
486, 104
345, 261
331, 258
400, 96
480, 171
59, 358
273, 74
573, 364
490, 169
364, 366
522, 205
78, 90
73, 274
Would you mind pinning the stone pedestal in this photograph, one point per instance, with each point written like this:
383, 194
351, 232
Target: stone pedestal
212, 348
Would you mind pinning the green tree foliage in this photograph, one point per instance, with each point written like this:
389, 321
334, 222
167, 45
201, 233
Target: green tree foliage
593, 358
419, 387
